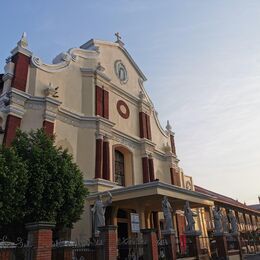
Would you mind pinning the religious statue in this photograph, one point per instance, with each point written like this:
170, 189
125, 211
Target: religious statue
189, 214
233, 221
98, 211
225, 224
167, 213
217, 219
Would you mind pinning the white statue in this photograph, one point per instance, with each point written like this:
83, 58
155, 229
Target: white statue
225, 224
189, 214
167, 213
233, 221
217, 219
98, 212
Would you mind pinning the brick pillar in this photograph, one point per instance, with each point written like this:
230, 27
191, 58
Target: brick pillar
193, 244
40, 238
151, 169
145, 165
21, 62
48, 127
150, 237
108, 236
221, 244
170, 238
12, 123
106, 160
6, 250
99, 157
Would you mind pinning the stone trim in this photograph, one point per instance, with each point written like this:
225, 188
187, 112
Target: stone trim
103, 182
40, 225
155, 184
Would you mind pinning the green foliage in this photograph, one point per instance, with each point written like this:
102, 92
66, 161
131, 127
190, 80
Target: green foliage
13, 183
55, 190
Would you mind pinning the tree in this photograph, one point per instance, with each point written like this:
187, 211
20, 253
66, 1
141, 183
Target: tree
55, 190
13, 183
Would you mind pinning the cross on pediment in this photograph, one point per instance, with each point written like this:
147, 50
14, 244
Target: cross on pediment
118, 37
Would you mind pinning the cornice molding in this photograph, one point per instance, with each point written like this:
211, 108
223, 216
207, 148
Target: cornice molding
93, 182
154, 184
90, 72
22, 50
63, 60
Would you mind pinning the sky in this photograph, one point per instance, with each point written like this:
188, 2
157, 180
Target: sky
202, 61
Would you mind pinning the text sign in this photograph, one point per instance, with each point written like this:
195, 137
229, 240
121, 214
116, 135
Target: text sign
135, 223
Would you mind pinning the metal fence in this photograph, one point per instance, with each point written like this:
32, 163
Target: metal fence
131, 248
84, 250
15, 250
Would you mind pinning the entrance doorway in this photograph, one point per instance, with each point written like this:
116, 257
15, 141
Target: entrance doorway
122, 231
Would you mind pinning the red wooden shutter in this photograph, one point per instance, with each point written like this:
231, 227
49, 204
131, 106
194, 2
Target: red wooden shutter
151, 169
142, 123
148, 127
145, 165
105, 104
99, 101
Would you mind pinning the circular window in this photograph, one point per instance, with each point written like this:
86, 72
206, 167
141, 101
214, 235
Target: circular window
121, 71
123, 109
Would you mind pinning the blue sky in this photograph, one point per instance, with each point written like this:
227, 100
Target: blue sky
202, 61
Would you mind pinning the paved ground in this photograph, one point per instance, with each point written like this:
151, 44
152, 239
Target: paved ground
252, 257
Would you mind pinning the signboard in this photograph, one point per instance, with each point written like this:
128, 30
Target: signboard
135, 223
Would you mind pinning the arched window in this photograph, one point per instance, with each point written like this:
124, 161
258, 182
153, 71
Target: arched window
119, 168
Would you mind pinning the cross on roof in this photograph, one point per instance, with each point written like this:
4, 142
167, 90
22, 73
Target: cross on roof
118, 37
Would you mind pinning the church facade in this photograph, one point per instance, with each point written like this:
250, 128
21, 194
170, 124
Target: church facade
93, 99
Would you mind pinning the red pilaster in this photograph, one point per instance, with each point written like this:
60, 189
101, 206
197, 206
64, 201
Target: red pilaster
145, 166
149, 235
21, 62
106, 160
40, 238
12, 123
99, 158
48, 127
108, 236
175, 177
151, 169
